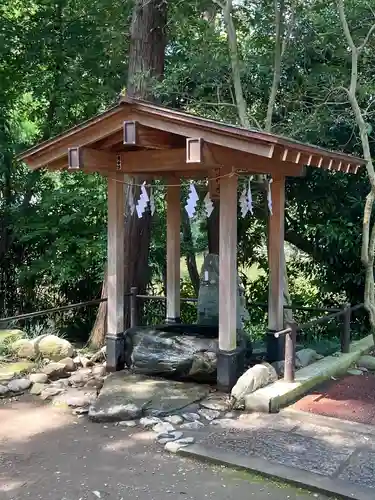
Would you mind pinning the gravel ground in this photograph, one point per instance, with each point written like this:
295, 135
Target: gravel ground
47, 453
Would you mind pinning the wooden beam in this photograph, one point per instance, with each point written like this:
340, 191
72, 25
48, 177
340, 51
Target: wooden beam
173, 250
228, 265
275, 255
135, 134
115, 278
212, 136
92, 160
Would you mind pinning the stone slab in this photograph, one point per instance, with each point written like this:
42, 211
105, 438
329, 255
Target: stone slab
141, 395
361, 469
289, 449
273, 397
305, 479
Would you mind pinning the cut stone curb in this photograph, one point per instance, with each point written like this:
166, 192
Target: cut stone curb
271, 398
302, 479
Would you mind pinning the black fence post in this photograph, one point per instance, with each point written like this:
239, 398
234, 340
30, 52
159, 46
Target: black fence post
290, 352
345, 333
133, 306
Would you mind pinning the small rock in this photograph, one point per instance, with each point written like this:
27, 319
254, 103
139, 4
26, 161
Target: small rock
174, 435
115, 413
163, 428
174, 446
148, 422
80, 377
195, 425
354, 371
38, 378
226, 423
95, 383
50, 391
219, 403
128, 423
19, 384
61, 383
75, 398
191, 417
70, 366
99, 355
37, 389
174, 419
81, 411
3, 390
78, 361
186, 440
55, 370
209, 414
99, 371
230, 414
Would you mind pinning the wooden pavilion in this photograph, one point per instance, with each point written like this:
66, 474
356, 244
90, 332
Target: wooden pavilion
141, 139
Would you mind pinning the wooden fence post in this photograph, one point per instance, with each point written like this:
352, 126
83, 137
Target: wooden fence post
345, 334
133, 306
290, 353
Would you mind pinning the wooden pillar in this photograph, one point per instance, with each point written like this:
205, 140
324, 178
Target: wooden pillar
115, 280
173, 251
275, 346
227, 358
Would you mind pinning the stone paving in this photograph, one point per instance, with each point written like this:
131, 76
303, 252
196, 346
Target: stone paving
339, 450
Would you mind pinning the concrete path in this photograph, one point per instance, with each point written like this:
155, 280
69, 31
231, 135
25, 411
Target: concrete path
46, 453
322, 453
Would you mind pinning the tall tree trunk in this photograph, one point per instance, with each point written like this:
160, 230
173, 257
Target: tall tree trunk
146, 67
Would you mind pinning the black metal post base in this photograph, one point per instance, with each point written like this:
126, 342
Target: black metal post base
275, 347
172, 321
230, 365
115, 352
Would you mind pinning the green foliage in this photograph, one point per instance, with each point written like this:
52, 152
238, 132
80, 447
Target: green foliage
63, 61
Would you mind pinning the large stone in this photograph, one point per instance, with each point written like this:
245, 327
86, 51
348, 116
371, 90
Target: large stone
38, 378
208, 297
367, 362
19, 384
306, 357
55, 371
254, 378
186, 352
69, 364
3, 390
81, 377
7, 337
37, 389
24, 349
127, 396
53, 347
10, 370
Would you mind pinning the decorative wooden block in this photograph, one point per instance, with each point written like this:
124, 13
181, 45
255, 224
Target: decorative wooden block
74, 158
130, 132
194, 150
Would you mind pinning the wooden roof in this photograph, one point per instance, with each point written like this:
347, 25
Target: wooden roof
138, 137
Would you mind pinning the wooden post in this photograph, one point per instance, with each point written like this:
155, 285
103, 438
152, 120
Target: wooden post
115, 280
275, 346
227, 357
173, 251
133, 307
345, 335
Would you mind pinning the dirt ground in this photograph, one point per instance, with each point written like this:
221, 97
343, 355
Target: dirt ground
48, 453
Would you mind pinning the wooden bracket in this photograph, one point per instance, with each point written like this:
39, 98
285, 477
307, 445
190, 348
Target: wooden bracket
74, 158
194, 152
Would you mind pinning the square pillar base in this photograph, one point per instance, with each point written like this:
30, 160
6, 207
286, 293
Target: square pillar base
115, 352
172, 321
275, 347
230, 366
